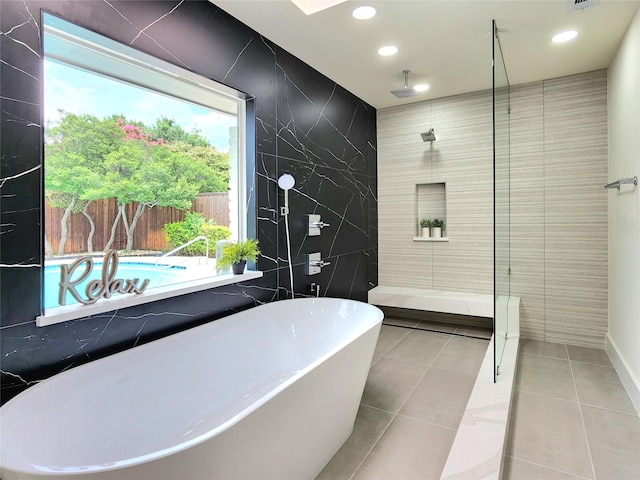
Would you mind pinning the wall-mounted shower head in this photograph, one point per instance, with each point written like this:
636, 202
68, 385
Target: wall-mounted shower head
406, 91
286, 182
429, 136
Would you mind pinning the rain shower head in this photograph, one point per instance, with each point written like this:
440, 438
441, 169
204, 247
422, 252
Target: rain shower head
406, 91
429, 136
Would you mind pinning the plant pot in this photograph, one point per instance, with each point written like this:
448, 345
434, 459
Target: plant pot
425, 232
238, 268
436, 232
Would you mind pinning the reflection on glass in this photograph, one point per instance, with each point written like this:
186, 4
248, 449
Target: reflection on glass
140, 156
502, 225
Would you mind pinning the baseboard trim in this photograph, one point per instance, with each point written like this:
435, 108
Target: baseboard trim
629, 380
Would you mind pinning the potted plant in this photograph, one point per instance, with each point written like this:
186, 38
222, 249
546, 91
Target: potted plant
425, 225
436, 228
236, 254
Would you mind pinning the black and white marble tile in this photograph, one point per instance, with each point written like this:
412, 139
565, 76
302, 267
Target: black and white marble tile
299, 122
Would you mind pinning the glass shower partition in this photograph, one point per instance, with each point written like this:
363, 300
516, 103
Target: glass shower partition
501, 201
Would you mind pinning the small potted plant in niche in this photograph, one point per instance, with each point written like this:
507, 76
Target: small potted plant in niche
236, 254
425, 225
436, 228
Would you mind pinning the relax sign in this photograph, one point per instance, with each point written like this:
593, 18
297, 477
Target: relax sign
72, 275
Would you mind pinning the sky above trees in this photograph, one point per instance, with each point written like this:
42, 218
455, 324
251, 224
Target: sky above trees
76, 91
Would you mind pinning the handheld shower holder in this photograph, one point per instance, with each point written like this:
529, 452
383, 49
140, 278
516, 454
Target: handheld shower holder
286, 183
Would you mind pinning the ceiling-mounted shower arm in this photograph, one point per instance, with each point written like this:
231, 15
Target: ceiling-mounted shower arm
406, 91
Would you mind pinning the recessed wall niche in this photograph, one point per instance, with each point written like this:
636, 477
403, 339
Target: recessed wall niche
430, 204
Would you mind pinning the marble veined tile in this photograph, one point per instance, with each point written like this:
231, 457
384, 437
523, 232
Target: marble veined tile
477, 449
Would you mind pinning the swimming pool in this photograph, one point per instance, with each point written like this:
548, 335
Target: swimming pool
157, 274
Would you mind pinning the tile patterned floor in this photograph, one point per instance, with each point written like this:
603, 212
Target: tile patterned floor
415, 395
571, 418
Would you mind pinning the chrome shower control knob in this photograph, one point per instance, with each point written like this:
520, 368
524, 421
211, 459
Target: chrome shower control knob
320, 224
315, 263
315, 225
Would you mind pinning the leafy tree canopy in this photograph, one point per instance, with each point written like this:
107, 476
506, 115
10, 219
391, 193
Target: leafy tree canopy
87, 159
92, 158
168, 130
215, 176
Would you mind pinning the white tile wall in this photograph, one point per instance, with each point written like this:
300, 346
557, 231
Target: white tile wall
558, 205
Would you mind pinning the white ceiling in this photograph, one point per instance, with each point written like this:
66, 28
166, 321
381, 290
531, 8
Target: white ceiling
445, 43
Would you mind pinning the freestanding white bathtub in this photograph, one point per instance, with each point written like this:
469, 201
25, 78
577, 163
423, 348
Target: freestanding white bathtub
268, 393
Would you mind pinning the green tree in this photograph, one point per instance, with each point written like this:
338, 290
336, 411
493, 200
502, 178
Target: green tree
150, 175
210, 167
168, 130
88, 159
75, 149
193, 225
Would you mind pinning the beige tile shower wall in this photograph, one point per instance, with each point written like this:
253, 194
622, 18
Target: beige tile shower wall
403, 161
576, 163
559, 208
558, 205
527, 206
461, 157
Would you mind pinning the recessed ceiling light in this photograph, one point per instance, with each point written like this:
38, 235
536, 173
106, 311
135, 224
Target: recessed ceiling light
422, 87
387, 51
564, 36
364, 12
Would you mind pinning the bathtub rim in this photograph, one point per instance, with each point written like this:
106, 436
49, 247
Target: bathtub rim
34, 469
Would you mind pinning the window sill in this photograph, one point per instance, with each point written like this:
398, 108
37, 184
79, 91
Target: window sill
71, 312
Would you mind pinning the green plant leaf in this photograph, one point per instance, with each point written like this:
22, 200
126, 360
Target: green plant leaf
236, 252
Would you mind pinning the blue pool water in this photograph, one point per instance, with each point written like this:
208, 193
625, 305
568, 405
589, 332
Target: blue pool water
157, 274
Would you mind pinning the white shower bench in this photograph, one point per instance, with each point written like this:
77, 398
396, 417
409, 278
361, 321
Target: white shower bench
461, 303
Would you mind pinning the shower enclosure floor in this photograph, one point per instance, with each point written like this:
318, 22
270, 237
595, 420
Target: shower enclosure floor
416, 393
419, 384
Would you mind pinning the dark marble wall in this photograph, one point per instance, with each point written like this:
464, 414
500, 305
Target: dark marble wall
305, 125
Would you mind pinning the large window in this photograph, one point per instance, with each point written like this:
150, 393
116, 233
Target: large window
141, 157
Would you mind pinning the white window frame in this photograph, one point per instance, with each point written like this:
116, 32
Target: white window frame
77, 46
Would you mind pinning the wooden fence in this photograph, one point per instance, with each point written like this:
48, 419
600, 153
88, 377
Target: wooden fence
148, 234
